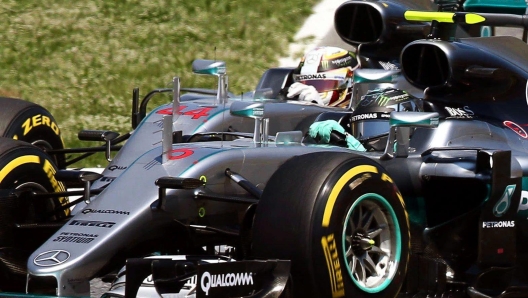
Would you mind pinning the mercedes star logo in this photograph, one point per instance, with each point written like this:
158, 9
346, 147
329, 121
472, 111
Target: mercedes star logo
51, 258
312, 59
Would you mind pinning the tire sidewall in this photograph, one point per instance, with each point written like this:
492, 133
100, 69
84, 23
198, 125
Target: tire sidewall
289, 220
22, 163
346, 186
24, 167
34, 124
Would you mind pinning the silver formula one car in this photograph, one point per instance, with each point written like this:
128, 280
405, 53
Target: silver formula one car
440, 210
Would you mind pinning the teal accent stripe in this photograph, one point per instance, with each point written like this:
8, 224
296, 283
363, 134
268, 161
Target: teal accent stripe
210, 117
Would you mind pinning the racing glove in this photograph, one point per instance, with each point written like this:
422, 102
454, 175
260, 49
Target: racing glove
322, 130
354, 144
305, 93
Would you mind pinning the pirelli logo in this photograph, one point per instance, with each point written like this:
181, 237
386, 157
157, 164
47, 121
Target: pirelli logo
333, 265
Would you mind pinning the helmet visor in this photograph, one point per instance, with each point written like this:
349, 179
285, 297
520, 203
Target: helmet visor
325, 85
363, 130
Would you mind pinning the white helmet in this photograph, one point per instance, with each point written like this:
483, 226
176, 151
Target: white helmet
330, 71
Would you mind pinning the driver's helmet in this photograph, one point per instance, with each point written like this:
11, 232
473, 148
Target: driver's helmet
369, 122
330, 71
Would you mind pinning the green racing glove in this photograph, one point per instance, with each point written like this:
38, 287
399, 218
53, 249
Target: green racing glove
321, 130
354, 144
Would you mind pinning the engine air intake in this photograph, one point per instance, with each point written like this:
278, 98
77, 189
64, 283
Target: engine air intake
425, 65
358, 23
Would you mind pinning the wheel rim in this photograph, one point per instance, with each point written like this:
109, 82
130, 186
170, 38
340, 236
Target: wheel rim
46, 146
32, 186
371, 243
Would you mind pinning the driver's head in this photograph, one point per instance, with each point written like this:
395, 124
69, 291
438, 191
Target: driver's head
370, 119
330, 71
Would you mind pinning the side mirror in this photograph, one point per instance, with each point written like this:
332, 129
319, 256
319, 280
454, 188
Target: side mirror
371, 75
209, 67
215, 68
400, 130
366, 79
257, 112
249, 110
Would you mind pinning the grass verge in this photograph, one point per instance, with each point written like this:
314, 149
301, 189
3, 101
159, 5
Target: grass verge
81, 59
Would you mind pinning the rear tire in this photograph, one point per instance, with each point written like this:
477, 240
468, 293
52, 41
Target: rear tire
30, 122
24, 167
342, 223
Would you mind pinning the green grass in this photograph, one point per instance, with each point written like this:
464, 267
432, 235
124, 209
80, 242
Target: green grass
81, 59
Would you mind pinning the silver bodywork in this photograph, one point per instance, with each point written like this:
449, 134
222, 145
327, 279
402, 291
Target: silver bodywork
148, 134
123, 213
126, 204
127, 209
132, 209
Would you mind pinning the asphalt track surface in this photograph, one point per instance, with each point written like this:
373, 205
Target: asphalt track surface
328, 37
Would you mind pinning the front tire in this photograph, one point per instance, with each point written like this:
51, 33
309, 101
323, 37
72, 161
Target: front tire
24, 167
342, 222
29, 122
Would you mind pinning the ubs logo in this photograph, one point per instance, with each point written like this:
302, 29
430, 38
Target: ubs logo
51, 258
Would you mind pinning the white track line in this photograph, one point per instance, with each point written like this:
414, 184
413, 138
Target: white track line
315, 28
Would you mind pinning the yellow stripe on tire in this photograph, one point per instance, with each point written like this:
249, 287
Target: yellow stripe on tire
16, 163
339, 186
